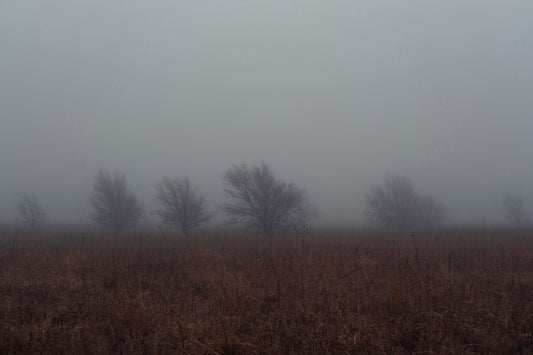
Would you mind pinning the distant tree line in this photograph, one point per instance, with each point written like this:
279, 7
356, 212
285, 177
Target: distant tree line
256, 199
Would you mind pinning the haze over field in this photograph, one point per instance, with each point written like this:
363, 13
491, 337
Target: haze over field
333, 95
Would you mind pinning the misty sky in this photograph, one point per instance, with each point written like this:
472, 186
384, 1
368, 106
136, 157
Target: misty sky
332, 94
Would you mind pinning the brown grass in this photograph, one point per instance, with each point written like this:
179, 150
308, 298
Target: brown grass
467, 291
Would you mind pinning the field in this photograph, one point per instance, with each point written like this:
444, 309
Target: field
454, 291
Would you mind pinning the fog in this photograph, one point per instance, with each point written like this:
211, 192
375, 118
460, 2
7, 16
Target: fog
333, 95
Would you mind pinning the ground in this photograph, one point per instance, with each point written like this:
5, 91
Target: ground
454, 291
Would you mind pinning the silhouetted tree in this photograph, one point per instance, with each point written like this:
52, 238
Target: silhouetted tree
30, 211
114, 207
396, 205
260, 201
516, 211
430, 212
181, 204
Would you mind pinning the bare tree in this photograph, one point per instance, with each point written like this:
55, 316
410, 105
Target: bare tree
181, 204
114, 207
396, 205
30, 211
260, 201
430, 212
516, 211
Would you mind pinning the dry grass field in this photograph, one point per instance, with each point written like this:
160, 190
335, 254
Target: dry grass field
457, 291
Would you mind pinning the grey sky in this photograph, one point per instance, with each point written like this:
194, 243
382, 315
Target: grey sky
333, 94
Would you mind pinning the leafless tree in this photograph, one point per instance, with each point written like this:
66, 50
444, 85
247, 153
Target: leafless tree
396, 205
430, 212
181, 204
516, 211
114, 207
30, 211
260, 201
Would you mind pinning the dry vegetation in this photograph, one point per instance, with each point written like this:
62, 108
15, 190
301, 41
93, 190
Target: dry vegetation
460, 291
